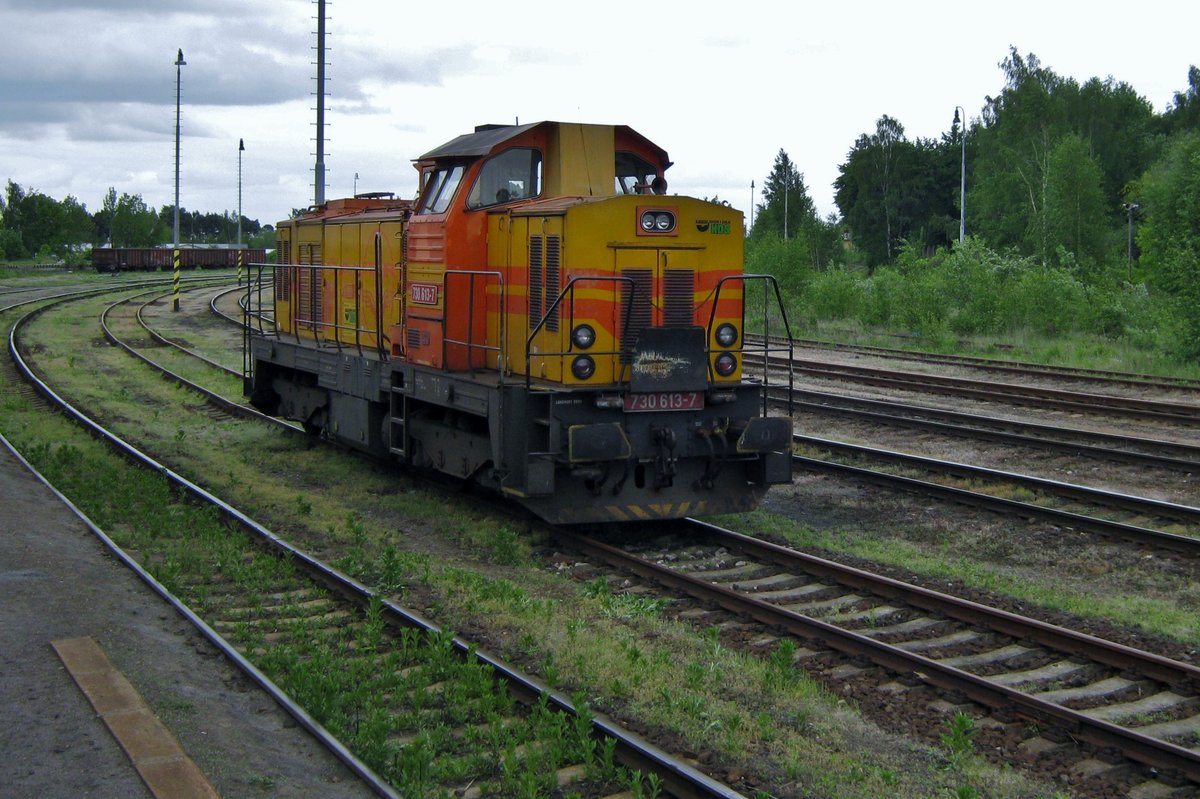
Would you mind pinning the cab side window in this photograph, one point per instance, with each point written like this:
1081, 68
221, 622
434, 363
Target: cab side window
635, 175
514, 174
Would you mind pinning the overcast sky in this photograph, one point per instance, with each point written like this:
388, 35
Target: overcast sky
87, 93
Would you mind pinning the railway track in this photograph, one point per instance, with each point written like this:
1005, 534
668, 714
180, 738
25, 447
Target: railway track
1020, 369
279, 600
1138, 450
1090, 403
1076, 687
1139, 511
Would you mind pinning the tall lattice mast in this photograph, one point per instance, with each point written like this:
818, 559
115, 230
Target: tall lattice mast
319, 167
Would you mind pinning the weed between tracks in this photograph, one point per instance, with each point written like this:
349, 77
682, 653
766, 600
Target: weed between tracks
758, 719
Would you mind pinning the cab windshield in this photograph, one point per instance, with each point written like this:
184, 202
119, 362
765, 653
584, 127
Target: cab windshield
439, 190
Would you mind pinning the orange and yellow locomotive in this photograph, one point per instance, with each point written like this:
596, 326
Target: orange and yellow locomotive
542, 319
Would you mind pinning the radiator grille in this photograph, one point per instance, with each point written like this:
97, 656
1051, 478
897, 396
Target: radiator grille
535, 281
545, 268
636, 308
553, 266
679, 292
309, 286
283, 282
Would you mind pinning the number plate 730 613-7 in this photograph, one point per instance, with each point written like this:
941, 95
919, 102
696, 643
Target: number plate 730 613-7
665, 401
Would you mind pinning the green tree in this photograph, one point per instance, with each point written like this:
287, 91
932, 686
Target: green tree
77, 226
133, 224
788, 212
1184, 113
785, 201
103, 218
11, 240
1117, 125
35, 224
1020, 128
1075, 210
1169, 236
891, 190
1019, 178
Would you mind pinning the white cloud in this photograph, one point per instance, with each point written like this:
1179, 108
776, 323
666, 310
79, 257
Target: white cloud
722, 88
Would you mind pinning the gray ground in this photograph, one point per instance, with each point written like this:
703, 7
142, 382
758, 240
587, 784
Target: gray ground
58, 581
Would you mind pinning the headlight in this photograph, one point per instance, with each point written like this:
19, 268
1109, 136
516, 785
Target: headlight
583, 367
583, 336
725, 364
657, 221
727, 335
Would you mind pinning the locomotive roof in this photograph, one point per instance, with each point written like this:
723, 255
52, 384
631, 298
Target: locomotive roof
478, 143
487, 137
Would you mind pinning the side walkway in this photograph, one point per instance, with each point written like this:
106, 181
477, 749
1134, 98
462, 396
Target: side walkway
57, 581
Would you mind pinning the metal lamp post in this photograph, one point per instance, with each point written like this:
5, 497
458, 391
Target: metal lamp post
1129, 209
962, 197
752, 205
241, 149
240, 253
179, 64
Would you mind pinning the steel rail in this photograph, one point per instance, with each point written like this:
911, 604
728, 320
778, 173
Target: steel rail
1151, 751
1119, 530
223, 403
1039, 436
678, 777
168, 342
364, 772
89, 292
1102, 376
1185, 413
1186, 514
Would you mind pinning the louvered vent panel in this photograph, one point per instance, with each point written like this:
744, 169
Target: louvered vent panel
636, 311
310, 285
283, 283
553, 268
535, 281
679, 291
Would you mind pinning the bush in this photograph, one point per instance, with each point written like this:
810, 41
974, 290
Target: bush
837, 294
973, 291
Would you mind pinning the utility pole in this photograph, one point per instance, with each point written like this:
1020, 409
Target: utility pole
751, 205
241, 149
1129, 209
179, 65
962, 193
319, 168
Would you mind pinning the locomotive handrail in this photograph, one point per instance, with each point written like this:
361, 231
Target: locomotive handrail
768, 282
470, 343
550, 313
315, 302
254, 280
